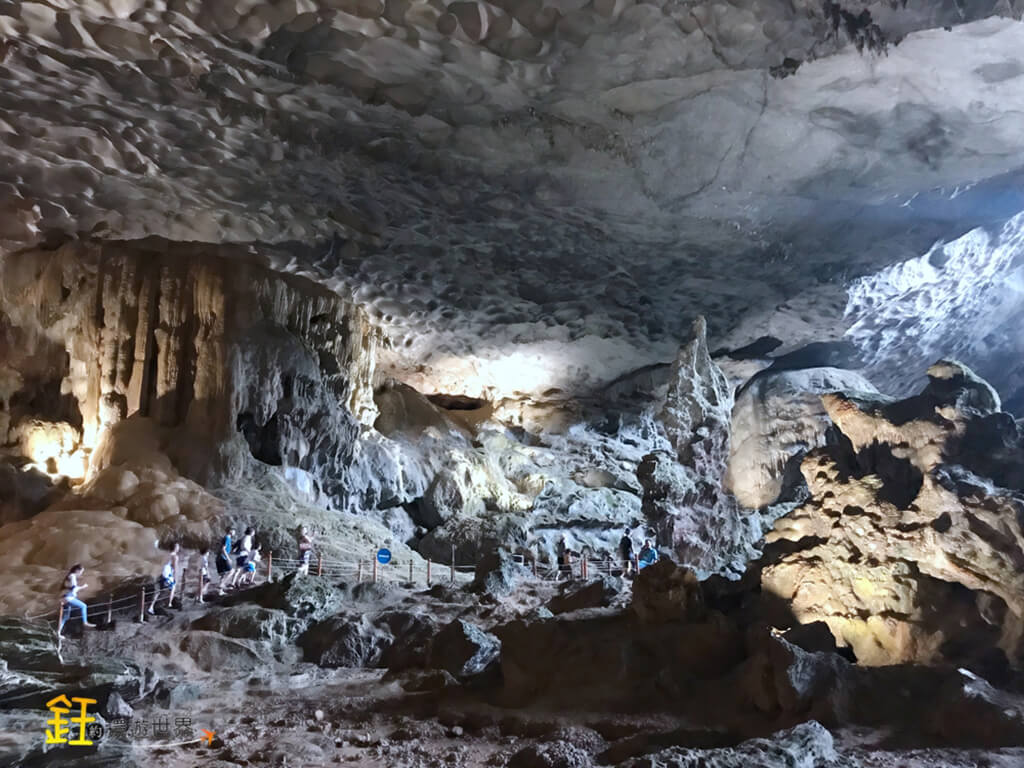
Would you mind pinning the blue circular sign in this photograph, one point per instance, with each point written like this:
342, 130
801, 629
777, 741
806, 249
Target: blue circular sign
383, 556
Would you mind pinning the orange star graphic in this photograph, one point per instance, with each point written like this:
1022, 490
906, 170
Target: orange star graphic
209, 736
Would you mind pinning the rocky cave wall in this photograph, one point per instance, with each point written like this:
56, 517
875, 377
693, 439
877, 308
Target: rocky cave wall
229, 361
910, 546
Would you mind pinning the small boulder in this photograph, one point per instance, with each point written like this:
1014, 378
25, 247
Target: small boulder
302, 597
598, 593
214, 652
116, 707
464, 649
497, 573
665, 592
411, 633
344, 641
430, 680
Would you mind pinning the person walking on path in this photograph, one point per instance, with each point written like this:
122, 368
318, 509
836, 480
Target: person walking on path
242, 555
204, 571
305, 550
225, 565
168, 579
69, 597
249, 576
626, 552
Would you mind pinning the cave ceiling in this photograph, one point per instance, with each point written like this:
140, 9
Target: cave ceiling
528, 195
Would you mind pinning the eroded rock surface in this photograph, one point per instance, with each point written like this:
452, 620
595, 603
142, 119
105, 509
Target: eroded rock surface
906, 548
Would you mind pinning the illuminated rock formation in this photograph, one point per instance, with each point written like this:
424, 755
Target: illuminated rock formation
911, 546
779, 416
232, 362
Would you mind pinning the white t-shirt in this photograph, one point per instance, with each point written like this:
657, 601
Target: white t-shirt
246, 546
71, 586
168, 573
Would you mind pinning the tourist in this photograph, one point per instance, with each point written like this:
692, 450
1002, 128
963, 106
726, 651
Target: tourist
249, 576
204, 571
168, 578
225, 565
565, 556
648, 555
305, 550
242, 555
626, 552
69, 597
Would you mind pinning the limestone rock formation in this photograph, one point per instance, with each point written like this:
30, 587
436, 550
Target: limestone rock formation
344, 641
463, 649
777, 418
665, 592
232, 363
910, 547
684, 494
598, 593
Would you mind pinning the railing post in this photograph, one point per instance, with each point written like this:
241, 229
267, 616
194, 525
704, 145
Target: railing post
200, 586
270, 566
142, 605
375, 569
535, 567
319, 563
410, 570
110, 609
428, 571
359, 572
60, 619
453, 563
583, 568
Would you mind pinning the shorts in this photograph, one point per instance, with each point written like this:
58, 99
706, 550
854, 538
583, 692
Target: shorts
223, 566
166, 583
242, 560
250, 567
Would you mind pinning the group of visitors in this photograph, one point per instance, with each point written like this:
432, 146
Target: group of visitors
236, 565
648, 554
235, 561
631, 562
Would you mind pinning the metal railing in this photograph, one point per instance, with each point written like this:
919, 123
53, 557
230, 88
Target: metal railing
370, 570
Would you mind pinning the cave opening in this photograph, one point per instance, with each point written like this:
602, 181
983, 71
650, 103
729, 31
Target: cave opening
457, 402
901, 480
264, 440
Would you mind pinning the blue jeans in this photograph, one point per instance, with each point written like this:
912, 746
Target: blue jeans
73, 602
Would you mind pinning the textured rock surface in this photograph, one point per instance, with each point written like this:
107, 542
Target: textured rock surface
684, 496
660, 154
777, 418
808, 745
344, 641
599, 593
665, 592
240, 364
918, 502
463, 649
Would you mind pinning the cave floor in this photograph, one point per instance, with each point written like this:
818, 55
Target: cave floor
292, 713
